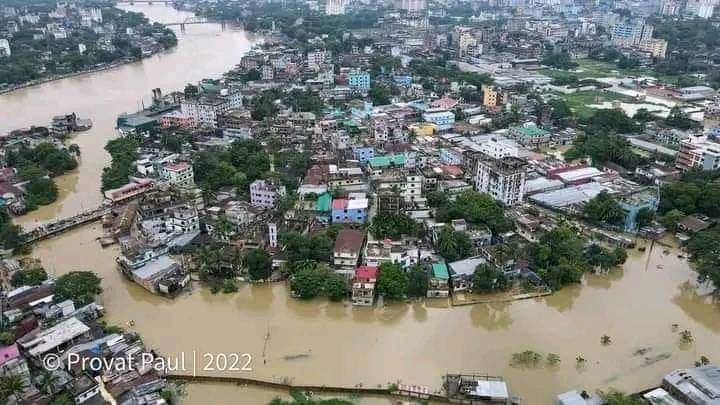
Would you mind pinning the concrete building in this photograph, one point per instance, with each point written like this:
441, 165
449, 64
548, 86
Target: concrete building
316, 58
264, 194
179, 174
698, 152
530, 135
347, 249
503, 179
335, 7
205, 110
694, 386
490, 96
349, 211
359, 80
363, 288
654, 46
411, 5
444, 120
631, 34
4, 47
499, 147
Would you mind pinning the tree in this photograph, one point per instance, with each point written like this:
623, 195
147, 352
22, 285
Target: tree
644, 217
477, 209
394, 226
614, 397
35, 275
335, 287
392, 281
671, 218
309, 282
191, 90
453, 245
417, 282
487, 278
11, 386
41, 191
604, 208
79, 286
259, 264
680, 119
49, 382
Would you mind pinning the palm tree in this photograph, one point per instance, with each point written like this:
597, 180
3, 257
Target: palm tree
605, 340
11, 386
49, 382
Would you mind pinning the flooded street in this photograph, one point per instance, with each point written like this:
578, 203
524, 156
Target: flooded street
202, 51
318, 342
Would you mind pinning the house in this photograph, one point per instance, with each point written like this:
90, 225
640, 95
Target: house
178, 174
363, 288
54, 339
461, 273
359, 80
347, 249
444, 120
694, 386
530, 135
378, 163
349, 210
265, 194
438, 284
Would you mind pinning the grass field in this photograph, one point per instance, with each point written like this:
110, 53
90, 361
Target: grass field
580, 100
592, 69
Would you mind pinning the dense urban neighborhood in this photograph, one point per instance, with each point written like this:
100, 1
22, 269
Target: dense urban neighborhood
370, 154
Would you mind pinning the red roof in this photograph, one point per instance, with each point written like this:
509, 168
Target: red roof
339, 203
366, 272
349, 240
452, 170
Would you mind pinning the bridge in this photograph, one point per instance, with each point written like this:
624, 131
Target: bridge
194, 20
53, 228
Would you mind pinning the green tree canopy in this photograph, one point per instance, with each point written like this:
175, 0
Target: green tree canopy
604, 208
392, 281
259, 264
79, 286
417, 282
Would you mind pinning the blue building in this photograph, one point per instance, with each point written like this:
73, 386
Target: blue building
359, 80
346, 211
633, 204
443, 119
363, 153
403, 80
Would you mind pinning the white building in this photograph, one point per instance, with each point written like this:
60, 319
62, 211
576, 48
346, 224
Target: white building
499, 147
179, 174
204, 111
4, 47
335, 7
411, 5
655, 46
503, 179
264, 194
316, 58
82, 48
698, 152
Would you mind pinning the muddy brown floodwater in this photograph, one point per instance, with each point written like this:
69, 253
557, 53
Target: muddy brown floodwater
318, 342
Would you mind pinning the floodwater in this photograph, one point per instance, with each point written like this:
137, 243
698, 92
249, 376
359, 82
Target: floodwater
202, 51
318, 342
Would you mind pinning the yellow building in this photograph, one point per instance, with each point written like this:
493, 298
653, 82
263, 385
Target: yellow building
490, 96
423, 129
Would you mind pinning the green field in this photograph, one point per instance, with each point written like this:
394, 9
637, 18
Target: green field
580, 100
593, 69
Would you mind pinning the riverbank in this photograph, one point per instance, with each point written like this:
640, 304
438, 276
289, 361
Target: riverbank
74, 74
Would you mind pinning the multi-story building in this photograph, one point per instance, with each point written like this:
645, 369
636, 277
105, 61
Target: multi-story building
4, 47
205, 110
335, 7
490, 96
694, 386
631, 34
444, 120
654, 46
499, 147
316, 58
179, 174
503, 179
359, 80
698, 152
363, 288
264, 194
349, 210
412, 6
530, 135
347, 249
439, 281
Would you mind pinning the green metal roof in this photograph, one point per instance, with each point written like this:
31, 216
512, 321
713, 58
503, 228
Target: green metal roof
387, 160
532, 131
440, 270
324, 202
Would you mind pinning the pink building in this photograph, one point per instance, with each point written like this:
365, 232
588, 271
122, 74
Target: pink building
264, 194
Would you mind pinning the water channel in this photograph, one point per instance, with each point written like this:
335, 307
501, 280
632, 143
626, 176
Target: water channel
318, 342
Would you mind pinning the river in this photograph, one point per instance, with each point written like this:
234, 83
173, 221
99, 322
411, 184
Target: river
319, 342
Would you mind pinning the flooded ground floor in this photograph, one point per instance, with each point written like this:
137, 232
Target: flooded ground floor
319, 342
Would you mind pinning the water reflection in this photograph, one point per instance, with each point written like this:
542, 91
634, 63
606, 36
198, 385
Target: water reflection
492, 316
703, 310
563, 300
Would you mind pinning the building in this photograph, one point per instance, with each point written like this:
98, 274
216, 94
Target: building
412, 6
4, 47
178, 174
363, 153
696, 93
347, 249
363, 288
503, 179
359, 80
530, 135
316, 58
439, 281
41, 342
631, 34
264, 194
335, 7
205, 110
462, 271
654, 46
443, 120
698, 152
694, 386
349, 210
490, 96
499, 147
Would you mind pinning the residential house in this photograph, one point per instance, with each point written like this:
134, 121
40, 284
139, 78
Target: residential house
438, 284
363, 288
347, 249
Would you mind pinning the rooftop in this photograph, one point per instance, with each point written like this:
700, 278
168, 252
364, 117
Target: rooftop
49, 339
349, 240
440, 270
